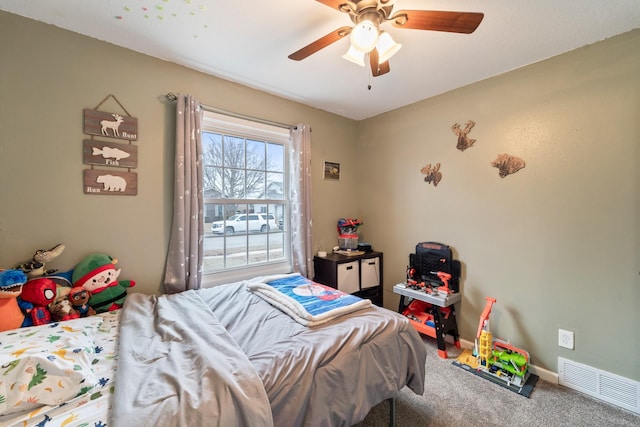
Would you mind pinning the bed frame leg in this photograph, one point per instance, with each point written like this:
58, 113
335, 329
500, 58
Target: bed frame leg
392, 412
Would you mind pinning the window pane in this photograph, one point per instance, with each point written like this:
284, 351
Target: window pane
280, 214
212, 212
212, 182
275, 186
275, 156
233, 152
255, 184
256, 155
212, 149
233, 184
276, 247
236, 251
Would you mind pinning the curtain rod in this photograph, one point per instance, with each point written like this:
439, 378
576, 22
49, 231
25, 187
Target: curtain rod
171, 97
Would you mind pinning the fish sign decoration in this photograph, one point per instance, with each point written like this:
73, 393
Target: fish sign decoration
104, 153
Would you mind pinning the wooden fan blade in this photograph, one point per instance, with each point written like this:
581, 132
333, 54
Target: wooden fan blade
321, 43
332, 3
451, 22
377, 69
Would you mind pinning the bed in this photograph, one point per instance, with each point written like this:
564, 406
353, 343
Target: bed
225, 356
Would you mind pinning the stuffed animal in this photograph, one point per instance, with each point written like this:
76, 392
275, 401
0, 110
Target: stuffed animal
34, 301
11, 282
61, 309
97, 274
79, 298
35, 266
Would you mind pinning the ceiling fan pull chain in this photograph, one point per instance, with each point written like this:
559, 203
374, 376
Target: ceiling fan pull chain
369, 72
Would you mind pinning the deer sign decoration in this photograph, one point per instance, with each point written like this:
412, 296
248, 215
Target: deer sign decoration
113, 125
463, 141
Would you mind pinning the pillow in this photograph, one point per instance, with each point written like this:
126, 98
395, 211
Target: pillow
47, 364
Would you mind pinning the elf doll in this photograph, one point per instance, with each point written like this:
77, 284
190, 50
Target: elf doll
98, 275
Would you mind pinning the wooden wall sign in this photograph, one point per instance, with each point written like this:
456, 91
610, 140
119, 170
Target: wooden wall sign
111, 125
110, 182
105, 153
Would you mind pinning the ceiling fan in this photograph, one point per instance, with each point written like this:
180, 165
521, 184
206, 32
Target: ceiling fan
367, 37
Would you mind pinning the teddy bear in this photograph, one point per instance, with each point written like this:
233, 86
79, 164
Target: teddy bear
34, 301
11, 282
79, 298
61, 309
97, 274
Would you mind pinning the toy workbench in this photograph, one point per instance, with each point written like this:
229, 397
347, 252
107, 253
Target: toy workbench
430, 314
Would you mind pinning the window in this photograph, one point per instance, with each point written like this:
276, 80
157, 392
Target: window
245, 184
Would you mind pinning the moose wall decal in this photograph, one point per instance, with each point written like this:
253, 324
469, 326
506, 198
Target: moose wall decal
432, 174
464, 142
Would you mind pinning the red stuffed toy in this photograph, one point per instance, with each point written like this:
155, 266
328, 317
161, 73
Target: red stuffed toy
34, 301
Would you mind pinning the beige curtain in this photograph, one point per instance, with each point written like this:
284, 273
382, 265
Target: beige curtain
300, 197
184, 260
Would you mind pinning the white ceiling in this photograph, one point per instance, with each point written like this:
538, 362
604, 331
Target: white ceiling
248, 41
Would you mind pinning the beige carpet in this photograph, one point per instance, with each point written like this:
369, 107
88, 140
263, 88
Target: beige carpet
454, 397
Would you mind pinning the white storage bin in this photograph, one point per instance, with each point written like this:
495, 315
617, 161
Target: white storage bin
370, 272
349, 277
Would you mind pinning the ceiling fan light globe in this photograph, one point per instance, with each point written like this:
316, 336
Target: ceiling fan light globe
355, 56
387, 47
364, 36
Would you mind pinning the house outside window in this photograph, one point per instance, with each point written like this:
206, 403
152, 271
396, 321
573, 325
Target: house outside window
245, 190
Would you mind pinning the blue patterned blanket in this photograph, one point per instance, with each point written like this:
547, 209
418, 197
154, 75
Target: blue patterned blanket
307, 302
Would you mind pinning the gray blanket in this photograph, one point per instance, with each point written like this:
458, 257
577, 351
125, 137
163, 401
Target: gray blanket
177, 366
329, 375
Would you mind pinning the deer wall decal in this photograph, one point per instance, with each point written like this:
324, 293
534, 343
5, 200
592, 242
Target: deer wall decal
110, 124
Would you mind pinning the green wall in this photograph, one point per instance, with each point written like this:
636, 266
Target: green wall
48, 76
558, 243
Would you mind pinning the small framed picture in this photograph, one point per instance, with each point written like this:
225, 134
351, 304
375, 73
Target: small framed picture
331, 170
